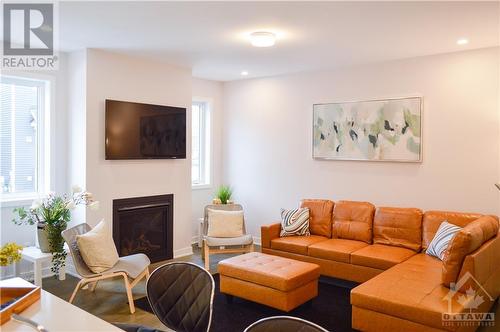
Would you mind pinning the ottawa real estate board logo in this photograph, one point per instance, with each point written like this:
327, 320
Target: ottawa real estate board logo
29, 36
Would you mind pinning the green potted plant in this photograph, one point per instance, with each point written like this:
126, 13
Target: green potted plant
223, 195
52, 214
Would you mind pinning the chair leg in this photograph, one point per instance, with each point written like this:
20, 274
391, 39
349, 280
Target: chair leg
80, 284
147, 273
206, 254
129, 293
251, 248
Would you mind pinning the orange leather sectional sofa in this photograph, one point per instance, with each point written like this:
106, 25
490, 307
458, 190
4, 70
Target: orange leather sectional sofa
403, 289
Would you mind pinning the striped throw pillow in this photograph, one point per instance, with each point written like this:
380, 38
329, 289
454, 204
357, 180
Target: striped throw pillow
295, 222
444, 235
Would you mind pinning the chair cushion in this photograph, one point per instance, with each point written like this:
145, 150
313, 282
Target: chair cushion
380, 256
353, 221
225, 223
467, 240
400, 227
320, 212
296, 244
433, 219
335, 249
229, 241
132, 265
411, 290
443, 237
294, 222
98, 248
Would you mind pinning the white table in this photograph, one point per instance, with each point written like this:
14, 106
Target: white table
55, 314
37, 257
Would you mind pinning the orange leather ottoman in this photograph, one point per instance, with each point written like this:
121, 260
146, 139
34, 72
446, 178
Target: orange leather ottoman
278, 282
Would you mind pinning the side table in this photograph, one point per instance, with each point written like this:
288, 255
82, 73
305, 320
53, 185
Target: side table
37, 257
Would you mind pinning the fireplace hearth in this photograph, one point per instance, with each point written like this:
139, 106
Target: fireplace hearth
144, 225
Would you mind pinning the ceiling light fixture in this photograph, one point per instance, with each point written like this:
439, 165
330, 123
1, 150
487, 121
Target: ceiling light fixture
262, 39
462, 41
244, 73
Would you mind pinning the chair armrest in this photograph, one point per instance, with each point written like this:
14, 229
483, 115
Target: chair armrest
269, 232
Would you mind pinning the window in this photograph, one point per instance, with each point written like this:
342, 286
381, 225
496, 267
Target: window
22, 106
200, 149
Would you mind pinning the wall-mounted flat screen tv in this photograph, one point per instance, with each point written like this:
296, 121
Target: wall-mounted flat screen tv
144, 131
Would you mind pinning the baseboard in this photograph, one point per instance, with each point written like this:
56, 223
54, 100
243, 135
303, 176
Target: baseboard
194, 239
257, 240
183, 252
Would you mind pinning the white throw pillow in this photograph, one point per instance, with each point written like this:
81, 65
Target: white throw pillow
225, 223
98, 248
442, 238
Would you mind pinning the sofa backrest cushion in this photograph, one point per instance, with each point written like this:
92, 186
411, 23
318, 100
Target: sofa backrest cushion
353, 221
320, 216
400, 227
469, 239
432, 220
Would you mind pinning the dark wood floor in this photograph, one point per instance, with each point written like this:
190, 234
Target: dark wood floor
109, 301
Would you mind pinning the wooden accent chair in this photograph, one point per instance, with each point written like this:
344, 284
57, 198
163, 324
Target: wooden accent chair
226, 245
131, 268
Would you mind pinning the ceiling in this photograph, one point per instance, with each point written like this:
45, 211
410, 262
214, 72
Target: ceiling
211, 37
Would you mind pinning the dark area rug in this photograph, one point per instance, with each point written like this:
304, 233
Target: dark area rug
331, 309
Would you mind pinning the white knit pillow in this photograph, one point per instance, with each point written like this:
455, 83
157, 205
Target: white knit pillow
225, 223
98, 248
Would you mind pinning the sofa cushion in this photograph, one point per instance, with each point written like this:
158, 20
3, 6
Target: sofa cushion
335, 249
380, 256
411, 290
296, 244
353, 221
400, 227
467, 240
432, 220
320, 213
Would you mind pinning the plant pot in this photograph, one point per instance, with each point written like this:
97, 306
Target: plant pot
43, 238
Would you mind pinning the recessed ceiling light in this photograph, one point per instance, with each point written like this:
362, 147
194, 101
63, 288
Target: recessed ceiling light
262, 39
244, 73
462, 41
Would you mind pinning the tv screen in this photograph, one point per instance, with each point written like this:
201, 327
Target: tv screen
143, 131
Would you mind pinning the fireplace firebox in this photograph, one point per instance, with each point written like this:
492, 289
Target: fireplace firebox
144, 225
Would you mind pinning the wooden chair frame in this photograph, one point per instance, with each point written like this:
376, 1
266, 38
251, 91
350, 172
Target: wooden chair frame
129, 284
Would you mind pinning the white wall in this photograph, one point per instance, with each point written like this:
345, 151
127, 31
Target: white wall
120, 77
76, 133
267, 137
210, 91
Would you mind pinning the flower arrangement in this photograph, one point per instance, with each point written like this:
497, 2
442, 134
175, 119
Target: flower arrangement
53, 214
10, 253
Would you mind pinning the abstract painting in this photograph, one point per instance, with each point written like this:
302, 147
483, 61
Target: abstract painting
375, 130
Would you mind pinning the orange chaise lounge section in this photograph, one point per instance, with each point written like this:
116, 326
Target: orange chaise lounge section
402, 288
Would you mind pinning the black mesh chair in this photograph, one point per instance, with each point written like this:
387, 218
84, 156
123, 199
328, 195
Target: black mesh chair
284, 324
181, 295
